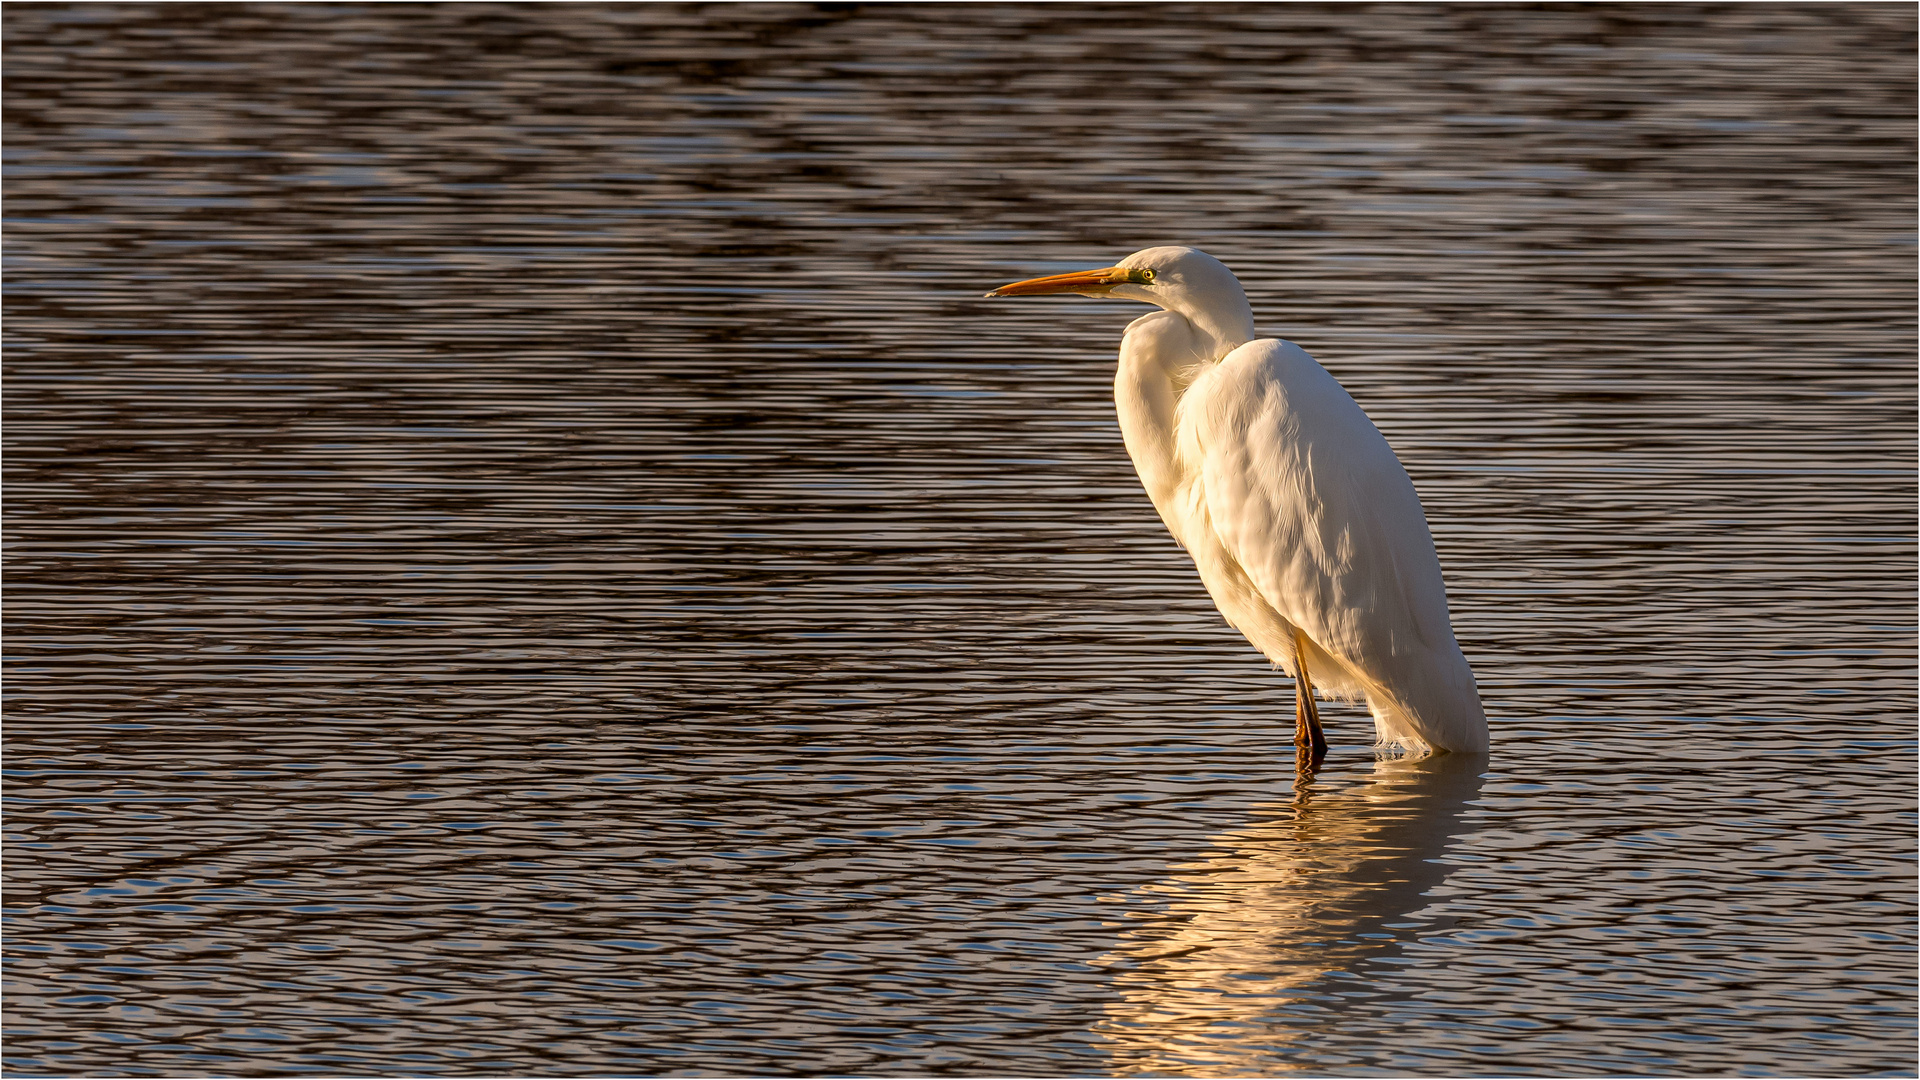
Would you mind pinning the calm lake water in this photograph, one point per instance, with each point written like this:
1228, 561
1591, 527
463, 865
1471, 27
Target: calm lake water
529, 554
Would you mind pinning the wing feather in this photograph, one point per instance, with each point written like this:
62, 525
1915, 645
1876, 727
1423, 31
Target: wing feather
1306, 496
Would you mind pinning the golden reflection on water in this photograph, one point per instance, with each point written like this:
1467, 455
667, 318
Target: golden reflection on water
1307, 891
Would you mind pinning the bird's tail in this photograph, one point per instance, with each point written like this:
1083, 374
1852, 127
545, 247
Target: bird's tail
1440, 712
1434, 704
1393, 729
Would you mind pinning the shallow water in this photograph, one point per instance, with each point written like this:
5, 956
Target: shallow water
529, 554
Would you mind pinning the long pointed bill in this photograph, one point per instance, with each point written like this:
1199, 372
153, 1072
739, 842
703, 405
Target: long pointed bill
1084, 282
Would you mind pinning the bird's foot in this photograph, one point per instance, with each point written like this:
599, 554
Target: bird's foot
1306, 761
1307, 731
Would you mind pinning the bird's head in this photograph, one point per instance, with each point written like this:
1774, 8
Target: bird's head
1183, 280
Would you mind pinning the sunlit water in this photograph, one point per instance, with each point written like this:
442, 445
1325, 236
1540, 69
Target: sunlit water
529, 553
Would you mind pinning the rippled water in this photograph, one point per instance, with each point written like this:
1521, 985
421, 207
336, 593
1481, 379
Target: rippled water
529, 554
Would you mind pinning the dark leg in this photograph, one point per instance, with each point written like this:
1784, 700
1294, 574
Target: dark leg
1306, 715
1306, 765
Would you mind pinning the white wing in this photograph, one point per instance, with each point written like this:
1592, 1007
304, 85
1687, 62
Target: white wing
1304, 493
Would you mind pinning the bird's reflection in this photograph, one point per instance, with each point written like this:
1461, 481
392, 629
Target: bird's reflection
1306, 891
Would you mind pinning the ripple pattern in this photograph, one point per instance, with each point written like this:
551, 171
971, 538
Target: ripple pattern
527, 554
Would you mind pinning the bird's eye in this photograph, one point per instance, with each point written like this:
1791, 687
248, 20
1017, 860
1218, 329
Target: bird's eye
1141, 276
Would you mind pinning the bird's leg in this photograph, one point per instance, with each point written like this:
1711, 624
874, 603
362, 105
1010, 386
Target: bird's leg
1306, 766
1306, 731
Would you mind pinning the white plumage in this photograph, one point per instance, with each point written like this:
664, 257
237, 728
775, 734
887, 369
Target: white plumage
1302, 522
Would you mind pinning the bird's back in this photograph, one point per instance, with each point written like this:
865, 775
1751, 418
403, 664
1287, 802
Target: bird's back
1310, 505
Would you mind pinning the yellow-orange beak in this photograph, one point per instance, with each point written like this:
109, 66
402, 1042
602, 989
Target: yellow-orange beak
1084, 282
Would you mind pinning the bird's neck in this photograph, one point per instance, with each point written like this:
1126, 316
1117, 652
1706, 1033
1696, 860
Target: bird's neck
1221, 320
1222, 334
1159, 357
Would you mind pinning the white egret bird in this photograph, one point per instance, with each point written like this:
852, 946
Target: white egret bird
1304, 526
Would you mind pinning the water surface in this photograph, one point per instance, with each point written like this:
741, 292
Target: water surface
529, 555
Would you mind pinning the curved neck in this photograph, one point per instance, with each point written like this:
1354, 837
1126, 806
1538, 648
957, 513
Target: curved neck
1228, 328
1214, 309
1155, 352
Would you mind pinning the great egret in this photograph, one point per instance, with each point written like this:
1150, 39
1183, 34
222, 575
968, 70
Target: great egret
1304, 526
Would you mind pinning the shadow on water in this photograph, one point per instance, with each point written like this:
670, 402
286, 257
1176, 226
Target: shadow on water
1326, 883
